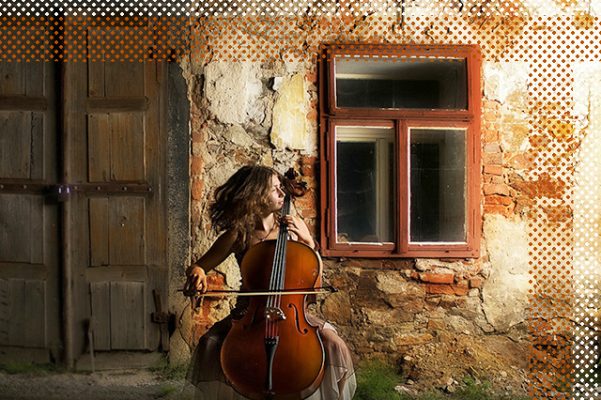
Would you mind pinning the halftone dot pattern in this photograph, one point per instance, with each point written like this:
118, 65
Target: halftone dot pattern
587, 246
551, 37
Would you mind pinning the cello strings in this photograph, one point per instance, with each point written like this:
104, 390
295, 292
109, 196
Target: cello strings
284, 244
276, 281
280, 251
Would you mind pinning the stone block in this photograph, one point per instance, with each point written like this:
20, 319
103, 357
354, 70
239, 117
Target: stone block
413, 339
337, 307
476, 282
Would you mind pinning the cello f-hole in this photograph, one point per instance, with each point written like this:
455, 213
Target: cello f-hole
297, 321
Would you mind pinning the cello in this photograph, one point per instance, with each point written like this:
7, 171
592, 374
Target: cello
272, 351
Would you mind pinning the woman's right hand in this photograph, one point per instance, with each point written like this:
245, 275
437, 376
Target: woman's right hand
197, 280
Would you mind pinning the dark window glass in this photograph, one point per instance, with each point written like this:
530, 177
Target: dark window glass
364, 184
401, 83
438, 181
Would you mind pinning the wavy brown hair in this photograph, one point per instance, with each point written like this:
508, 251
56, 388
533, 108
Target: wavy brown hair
241, 200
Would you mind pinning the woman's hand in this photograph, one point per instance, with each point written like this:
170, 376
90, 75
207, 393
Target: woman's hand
297, 226
197, 279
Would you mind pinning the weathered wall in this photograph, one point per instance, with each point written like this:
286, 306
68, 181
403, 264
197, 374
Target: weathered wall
244, 112
242, 115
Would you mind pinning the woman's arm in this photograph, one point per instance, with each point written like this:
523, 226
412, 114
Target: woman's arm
217, 253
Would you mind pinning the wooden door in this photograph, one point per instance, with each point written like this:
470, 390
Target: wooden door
115, 165
29, 226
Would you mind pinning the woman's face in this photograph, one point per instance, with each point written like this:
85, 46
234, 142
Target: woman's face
275, 197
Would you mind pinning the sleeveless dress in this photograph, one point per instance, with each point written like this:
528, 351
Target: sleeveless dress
209, 382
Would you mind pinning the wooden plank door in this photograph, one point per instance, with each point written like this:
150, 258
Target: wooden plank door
29, 228
115, 165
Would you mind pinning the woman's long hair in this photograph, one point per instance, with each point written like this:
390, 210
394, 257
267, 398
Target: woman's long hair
241, 201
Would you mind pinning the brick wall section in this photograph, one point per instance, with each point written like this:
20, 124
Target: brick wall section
497, 199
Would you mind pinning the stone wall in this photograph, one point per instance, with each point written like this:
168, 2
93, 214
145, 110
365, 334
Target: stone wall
245, 112
241, 113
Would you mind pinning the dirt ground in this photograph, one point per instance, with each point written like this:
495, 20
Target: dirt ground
444, 365
105, 385
441, 365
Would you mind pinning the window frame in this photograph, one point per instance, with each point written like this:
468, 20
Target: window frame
331, 116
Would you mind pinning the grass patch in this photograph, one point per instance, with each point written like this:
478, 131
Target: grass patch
166, 390
169, 372
377, 380
30, 368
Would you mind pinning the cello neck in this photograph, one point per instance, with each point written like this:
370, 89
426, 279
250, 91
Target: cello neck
279, 258
285, 211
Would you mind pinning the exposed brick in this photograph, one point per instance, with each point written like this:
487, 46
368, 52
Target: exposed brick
307, 167
493, 169
492, 148
544, 186
311, 76
459, 290
463, 284
307, 204
496, 189
492, 158
495, 209
197, 137
432, 277
490, 136
496, 199
495, 179
196, 165
197, 189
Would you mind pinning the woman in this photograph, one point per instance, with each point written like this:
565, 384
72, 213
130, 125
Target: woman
246, 211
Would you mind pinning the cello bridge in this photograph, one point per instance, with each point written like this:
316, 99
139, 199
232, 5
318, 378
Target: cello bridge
274, 314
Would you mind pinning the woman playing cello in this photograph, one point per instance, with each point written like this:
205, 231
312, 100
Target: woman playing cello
246, 212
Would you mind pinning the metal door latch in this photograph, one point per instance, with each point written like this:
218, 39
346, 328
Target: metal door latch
63, 192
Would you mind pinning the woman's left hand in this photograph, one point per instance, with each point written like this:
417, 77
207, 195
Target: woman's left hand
297, 226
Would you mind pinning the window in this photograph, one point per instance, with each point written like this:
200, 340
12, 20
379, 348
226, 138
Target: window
400, 151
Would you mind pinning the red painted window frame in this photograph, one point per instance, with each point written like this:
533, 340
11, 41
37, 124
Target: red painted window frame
331, 116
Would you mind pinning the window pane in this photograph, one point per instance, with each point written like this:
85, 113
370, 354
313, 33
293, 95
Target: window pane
438, 176
401, 83
364, 184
